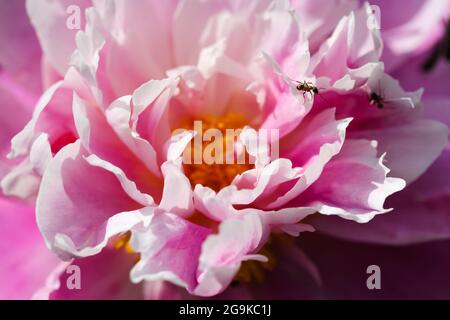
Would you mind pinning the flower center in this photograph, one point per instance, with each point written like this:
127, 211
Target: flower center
212, 158
122, 242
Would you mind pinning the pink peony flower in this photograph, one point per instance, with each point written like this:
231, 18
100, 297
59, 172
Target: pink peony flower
103, 158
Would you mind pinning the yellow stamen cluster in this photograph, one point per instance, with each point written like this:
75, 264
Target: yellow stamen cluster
123, 242
216, 175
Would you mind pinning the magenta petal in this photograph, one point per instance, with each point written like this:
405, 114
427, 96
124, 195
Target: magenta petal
406, 272
103, 276
20, 76
20, 56
170, 249
412, 29
25, 260
421, 213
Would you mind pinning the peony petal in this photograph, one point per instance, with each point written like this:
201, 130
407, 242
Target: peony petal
205, 264
399, 126
177, 195
103, 276
99, 139
52, 115
223, 253
408, 151
24, 179
353, 185
50, 20
25, 261
319, 18
405, 271
20, 56
412, 30
352, 50
151, 103
79, 203
118, 116
124, 66
221, 209
321, 138
420, 213
170, 248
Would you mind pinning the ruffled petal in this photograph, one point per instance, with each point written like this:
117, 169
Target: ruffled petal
83, 201
353, 185
49, 19
170, 248
350, 54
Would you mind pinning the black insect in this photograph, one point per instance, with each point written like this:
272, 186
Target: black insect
376, 100
307, 87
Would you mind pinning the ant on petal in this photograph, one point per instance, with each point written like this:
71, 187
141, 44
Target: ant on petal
376, 99
307, 87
